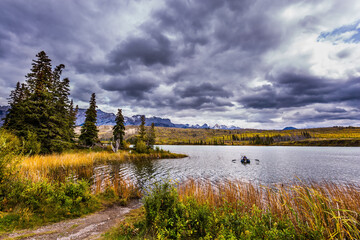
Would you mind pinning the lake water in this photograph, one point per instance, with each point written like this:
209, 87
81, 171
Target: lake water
276, 164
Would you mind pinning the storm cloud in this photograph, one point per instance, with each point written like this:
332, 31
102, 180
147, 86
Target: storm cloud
265, 64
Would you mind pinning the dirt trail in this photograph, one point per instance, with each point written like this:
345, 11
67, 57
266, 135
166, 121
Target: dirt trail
88, 227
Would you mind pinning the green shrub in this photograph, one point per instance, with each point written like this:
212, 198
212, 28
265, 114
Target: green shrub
32, 146
167, 217
10, 148
140, 147
45, 202
163, 211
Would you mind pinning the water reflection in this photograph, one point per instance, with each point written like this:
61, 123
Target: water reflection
218, 163
144, 171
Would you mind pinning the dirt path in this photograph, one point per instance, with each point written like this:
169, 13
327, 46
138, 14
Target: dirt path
88, 227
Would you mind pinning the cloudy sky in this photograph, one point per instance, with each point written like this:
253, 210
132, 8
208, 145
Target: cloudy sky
250, 63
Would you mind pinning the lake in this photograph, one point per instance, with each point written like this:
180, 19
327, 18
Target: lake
277, 164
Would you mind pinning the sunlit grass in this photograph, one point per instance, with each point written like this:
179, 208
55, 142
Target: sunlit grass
329, 207
81, 165
42, 166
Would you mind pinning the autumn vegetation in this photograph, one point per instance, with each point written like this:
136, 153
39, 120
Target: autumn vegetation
331, 136
239, 210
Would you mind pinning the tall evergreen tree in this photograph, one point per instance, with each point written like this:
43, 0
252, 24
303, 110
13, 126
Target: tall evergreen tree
40, 107
89, 131
15, 116
119, 128
142, 131
72, 122
151, 136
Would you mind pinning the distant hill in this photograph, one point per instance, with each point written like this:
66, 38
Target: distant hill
289, 128
104, 118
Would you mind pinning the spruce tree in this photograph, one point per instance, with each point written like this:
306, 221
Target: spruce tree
151, 136
89, 131
119, 128
72, 121
40, 107
14, 119
142, 131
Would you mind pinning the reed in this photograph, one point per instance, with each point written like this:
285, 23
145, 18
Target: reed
116, 188
327, 207
58, 166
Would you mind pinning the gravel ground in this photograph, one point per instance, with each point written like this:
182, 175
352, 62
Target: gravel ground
88, 227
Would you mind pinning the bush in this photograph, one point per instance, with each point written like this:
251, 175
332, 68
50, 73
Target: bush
126, 145
32, 146
10, 148
168, 217
140, 147
45, 201
163, 211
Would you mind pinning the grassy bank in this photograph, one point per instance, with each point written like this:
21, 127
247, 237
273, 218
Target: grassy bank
59, 166
236, 210
39, 189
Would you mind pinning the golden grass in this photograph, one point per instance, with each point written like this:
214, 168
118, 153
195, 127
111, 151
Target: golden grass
82, 165
329, 206
38, 167
60, 166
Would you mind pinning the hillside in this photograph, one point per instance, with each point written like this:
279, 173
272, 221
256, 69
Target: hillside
332, 136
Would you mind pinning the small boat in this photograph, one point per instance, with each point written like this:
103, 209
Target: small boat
244, 159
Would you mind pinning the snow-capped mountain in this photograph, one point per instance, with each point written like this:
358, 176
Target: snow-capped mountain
104, 118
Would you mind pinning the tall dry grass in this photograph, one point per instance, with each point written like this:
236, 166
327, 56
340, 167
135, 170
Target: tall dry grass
329, 206
58, 166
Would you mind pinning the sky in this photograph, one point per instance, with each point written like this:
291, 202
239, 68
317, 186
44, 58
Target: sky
253, 64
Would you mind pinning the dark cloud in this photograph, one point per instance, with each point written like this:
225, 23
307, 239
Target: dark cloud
149, 50
249, 60
344, 53
204, 90
330, 109
296, 90
133, 87
320, 116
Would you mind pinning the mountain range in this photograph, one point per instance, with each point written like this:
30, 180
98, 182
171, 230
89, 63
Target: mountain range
104, 118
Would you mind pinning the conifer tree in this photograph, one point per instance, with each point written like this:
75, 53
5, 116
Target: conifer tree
40, 107
72, 121
15, 117
142, 131
89, 131
119, 128
151, 136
